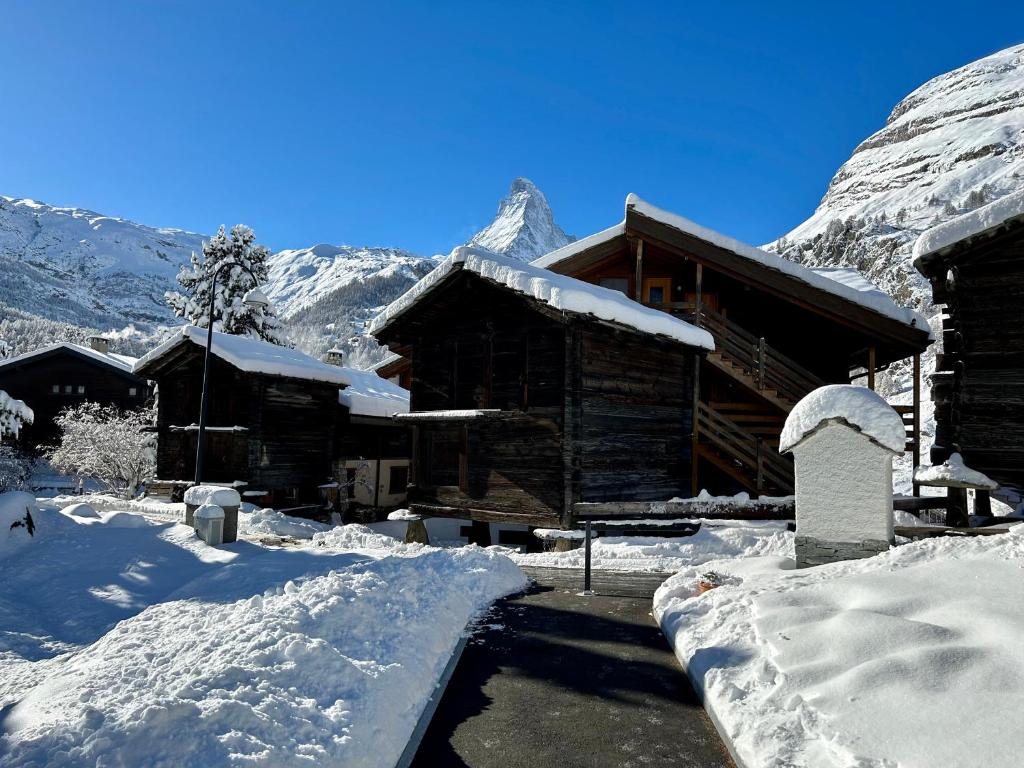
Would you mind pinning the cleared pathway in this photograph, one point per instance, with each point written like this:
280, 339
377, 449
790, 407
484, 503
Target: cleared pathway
555, 679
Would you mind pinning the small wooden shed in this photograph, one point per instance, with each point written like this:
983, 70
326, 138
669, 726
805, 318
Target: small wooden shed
975, 264
532, 391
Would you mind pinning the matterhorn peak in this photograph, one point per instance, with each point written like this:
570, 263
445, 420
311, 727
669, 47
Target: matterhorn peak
524, 227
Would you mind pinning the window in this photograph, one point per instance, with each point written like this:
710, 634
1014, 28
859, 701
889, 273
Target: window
620, 284
398, 480
81, 389
133, 391
55, 389
67, 389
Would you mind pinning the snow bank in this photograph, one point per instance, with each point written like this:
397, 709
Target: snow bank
250, 355
80, 510
166, 511
558, 291
864, 662
654, 554
367, 394
269, 522
972, 224
858, 406
218, 495
143, 646
953, 472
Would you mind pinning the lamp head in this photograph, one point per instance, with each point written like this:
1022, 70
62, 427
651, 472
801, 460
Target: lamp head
256, 299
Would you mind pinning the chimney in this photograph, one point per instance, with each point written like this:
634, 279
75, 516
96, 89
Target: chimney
99, 343
335, 356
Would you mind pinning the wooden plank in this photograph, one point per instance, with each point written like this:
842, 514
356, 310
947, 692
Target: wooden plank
783, 509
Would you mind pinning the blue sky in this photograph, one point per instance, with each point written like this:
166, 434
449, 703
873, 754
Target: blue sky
403, 124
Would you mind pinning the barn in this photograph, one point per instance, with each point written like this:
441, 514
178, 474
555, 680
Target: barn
59, 376
532, 391
975, 264
280, 422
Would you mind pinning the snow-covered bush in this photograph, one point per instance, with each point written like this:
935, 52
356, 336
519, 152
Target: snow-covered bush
15, 468
230, 313
13, 414
106, 444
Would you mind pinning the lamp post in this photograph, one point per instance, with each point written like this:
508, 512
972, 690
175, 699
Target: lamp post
253, 298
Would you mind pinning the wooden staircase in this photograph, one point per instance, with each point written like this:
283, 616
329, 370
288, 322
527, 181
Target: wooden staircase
742, 439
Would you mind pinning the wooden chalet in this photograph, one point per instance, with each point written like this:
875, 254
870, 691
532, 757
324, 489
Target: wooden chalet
63, 375
280, 422
780, 331
531, 391
975, 264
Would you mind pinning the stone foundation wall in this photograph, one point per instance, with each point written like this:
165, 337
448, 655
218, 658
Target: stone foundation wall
811, 551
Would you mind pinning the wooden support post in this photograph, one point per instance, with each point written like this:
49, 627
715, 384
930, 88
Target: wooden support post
415, 471
694, 461
871, 367
480, 533
760, 364
638, 288
699, 297
464, 459
760, 464
917, 419
956, 507
982, 503
586, 558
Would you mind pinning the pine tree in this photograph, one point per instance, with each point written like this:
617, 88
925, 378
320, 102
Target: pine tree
230, 313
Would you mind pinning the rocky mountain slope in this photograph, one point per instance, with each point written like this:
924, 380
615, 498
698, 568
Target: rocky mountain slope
524, 227
954, 144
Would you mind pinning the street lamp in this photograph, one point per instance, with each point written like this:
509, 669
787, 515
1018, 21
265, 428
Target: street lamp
254, 298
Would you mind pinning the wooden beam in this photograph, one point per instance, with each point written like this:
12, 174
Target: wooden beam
871, 367
917, 419
781, 509
638, 288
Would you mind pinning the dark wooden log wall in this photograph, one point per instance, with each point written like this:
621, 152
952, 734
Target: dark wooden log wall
636, 416
978, 388
34, 379
291, 424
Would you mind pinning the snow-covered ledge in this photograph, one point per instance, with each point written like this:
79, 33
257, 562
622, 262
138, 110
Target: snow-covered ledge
843, 440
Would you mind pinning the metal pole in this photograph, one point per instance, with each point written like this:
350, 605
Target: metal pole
205, 402
586, 558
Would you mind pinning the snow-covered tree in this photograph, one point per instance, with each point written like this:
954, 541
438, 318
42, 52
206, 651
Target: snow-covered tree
106, 444
13, 414
230, 313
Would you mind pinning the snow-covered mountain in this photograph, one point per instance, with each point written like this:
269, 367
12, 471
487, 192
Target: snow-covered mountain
524, 227
67, 270
84, 268
954, 144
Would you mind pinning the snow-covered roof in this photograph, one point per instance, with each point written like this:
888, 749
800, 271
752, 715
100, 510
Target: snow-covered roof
367, 394
860, 407
252, 356
989, 217
121, 362
837, 282
557, 291
394, 357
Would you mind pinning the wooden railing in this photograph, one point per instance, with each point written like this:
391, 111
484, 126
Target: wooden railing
764, 465
765, 365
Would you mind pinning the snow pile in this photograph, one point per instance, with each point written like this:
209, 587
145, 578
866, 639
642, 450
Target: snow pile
863, 662
81, 510
558, 291
361, 537
269, 522
953, 472
367, 394
977, 222
198, 495
166, 511
250, 355
859, 407
715, 539
146, 647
